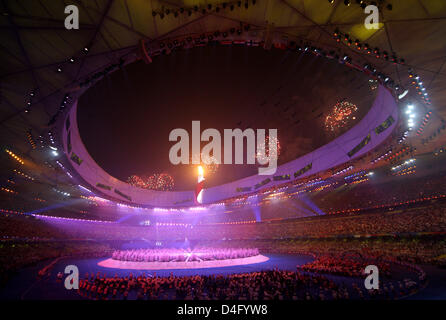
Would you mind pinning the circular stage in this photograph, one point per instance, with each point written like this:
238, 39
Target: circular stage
173, 258
157, 265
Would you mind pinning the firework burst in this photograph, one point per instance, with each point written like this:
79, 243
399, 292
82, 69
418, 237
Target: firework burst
136, 181
160, 182
157, 181
340, 116
264, 152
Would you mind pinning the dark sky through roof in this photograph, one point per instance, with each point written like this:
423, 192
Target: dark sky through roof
126, 118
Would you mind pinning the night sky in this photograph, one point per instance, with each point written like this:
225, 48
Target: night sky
126, 118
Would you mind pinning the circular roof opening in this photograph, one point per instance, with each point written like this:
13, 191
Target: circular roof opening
126, 118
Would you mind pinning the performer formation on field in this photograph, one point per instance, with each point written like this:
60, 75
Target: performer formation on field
186, 255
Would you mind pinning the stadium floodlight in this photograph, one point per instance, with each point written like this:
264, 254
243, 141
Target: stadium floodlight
401, 96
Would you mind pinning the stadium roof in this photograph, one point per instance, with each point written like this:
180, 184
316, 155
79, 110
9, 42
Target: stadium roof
35, 44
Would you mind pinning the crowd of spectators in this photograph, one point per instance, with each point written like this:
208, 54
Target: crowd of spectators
371, 194
262, 285
416, 250
15, 255
427, 219
26, 227
345, 265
